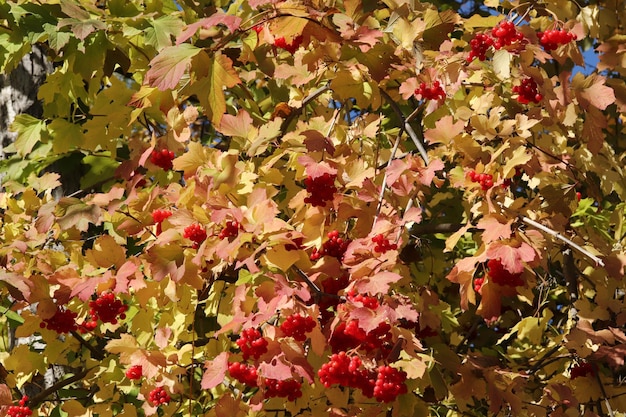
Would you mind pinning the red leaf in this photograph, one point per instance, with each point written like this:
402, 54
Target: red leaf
512, 258
276, 369
168, 67
215, 371
219, 18
378, 284
494, 229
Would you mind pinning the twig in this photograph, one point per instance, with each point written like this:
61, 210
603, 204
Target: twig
541, 361
39, 398
407, 127
95, 353
297, 112
306, 279
559, 236
430, 228
381, 196
606, 398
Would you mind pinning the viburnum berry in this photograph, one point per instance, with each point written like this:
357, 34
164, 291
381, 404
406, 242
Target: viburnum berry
335, 246
582, 369
159, 396
343, 370
134, 372
499, 275
20, 410
252, 343
246, 374
163, 159
434, 92
478, 283
527, 91
321, 189
505, 33
107, 308
63, 321
297, 326
383, 244
552, 39
230, 230
195, 233
367, 301
485, 180
390, 382
479, 44
289, 388
158, 216
347, 336
291, 47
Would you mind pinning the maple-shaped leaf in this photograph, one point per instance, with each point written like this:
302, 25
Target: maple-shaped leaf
18, 285
220, 18
168, 67
445, 131
513, 258
276, 368
29, 132
152, 361
239, 125
377, 284
106, 253
592, 91
495, 228
73, 212
215, 371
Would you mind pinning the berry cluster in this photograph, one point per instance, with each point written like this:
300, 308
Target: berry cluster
479, 44
321, 189
20, 410
158, 216
343, 370
366, 300
501, 276
246, 374
485, 180
329, 301
289, 47
582, 369
297, 326
390, 383
252, 343
527, 91
335, 246
383, 244
434, 92
289, 388
107, 308
349, 336
159, 396
63, 321
230, 230
478, 283
551, 39
195, 233
163, 159
505, 34
134, 372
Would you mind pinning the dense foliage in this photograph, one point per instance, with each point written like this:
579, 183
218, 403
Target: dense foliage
344, 208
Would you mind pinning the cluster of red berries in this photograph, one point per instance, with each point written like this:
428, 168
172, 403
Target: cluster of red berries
383, 244
159, 396
297, 326
480, 44
551, 39
434, 92
329, 301
291, 47
527, 91
499, 275
485, 180
478, 283
158, 216
20, 410
246, 374
163, 159
385, 384
63, 321
582, 369
321, 189
105, 308
195, 233
252, 343
349, 336
505, 33
335, 246
289, 388
230, 230
366, 300
134, 372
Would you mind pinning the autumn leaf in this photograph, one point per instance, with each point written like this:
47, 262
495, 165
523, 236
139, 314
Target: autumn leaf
513, 258
168, 67
220, 18
215, 371
29, 132
445, 131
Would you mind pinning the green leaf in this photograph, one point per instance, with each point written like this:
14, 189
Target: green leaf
29, 132
161, 31
167, 68
100, 168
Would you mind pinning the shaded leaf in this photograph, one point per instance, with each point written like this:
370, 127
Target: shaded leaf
168, 67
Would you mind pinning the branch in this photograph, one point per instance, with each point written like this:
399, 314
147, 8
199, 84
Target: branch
430, 228
94, 352
39, 398
606, 398
384, 185
297, 112
559, 236
407, 126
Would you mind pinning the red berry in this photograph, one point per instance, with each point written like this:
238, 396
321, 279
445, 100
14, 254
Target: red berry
292, 47
390, 382
582, 369
527, 91
134, 372
163, 159
430, 93
107, 309
63, 321
196, 234
289, 388
252, 343
159, 396
502, 276
335, 246
479, 44
297, 326
505, 33
230, 230
158, 216
246, 374
321, 189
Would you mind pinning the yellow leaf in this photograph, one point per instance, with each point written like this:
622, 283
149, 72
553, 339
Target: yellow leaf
281, 258
502, 64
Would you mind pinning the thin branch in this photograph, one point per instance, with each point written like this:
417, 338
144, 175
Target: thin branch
562, 238
306, 279
430, 228
297, 112
381, 196
94, 352
606, 398
407, 127
39, 398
